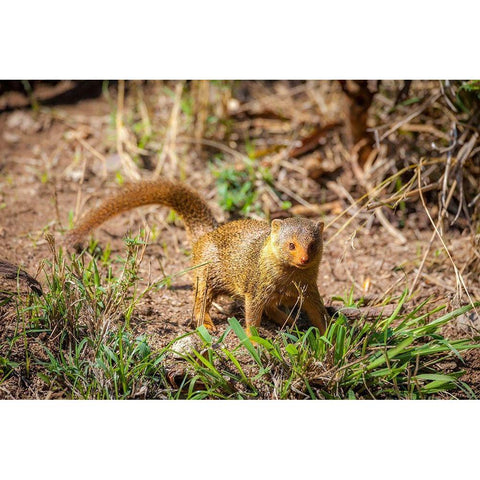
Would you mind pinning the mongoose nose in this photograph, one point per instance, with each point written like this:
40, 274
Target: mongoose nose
304, 259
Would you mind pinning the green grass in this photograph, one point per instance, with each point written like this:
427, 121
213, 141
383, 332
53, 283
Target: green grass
238, 188
76, 341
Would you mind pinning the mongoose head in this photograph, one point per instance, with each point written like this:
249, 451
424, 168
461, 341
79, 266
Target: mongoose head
297, 241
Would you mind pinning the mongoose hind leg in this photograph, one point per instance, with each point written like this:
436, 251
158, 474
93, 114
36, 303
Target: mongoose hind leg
202, 304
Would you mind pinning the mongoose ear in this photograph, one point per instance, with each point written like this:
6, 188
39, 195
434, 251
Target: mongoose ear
320, 226
276, 224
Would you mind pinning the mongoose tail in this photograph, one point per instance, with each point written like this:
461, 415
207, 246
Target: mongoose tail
193, 210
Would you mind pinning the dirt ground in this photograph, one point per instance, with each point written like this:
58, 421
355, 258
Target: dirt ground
50, 166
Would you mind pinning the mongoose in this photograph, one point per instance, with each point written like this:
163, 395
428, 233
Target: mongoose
267, 265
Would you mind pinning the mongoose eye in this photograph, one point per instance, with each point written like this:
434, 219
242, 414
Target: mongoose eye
291, 246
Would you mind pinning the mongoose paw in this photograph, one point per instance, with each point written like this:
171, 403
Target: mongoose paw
210, 326
250, 335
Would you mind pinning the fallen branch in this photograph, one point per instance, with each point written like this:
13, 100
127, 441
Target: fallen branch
367, 313
14, 280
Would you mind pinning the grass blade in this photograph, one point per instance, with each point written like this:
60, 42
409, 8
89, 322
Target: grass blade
244, 340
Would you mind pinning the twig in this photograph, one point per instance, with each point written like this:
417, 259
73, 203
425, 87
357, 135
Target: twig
367, 313
94, 152
214, 144
440, 218
315, 209
342, 192
410, 117
359, 173
458, 276
127, 163
293, 195
79, 191
292, 91
55, 201
401, 196
453, 142
463, 154
410, 127
474, 201
389, 227
376, 189
439, 283
171, 135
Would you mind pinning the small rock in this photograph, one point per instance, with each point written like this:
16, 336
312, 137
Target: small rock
74, 175
186, 345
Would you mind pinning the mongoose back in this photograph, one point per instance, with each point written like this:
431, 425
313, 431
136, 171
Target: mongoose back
265, 264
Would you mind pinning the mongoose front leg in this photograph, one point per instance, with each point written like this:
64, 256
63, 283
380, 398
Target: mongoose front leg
316, 311
253, 312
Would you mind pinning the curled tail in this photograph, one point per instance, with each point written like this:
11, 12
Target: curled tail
193, 209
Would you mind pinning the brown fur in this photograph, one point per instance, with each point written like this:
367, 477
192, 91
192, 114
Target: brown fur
184, 200
265, 264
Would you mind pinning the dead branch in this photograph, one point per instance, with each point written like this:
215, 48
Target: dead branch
14, 280
367, 313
